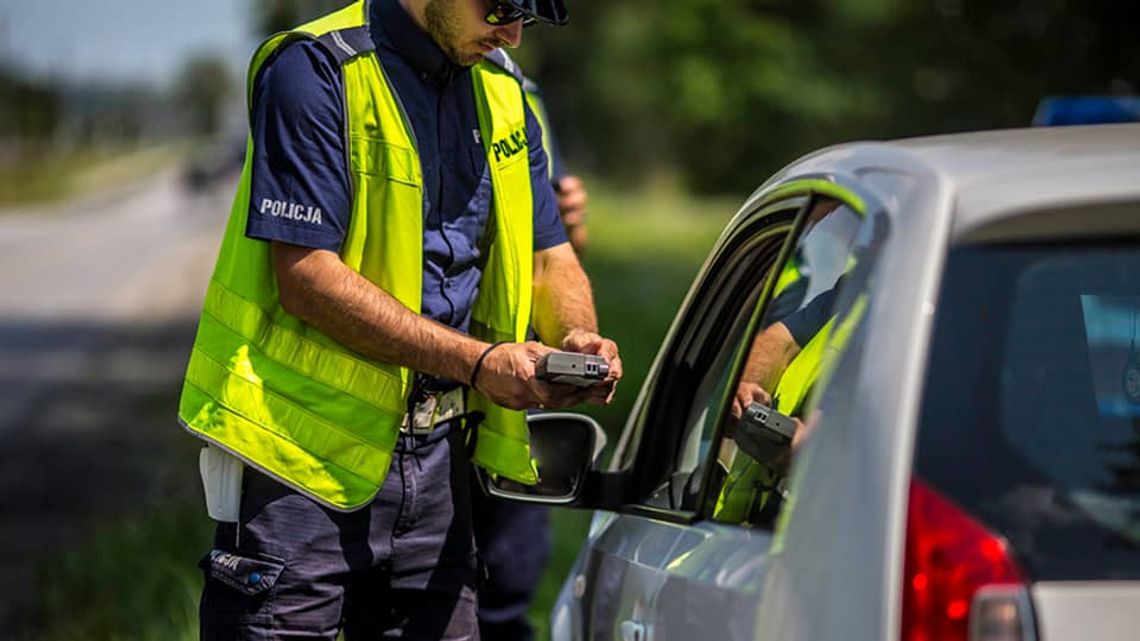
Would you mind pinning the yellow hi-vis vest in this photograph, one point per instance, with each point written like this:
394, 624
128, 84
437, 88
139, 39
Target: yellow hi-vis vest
748, 487
292, 402
533, 96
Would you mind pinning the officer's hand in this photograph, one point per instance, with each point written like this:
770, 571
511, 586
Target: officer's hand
593, 343
572, 200
748, 393
507, 377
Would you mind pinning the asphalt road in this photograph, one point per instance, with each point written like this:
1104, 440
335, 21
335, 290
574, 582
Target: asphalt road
98, 304
134, 257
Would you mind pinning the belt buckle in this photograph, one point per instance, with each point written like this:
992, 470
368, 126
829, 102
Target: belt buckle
434, 409
421, 420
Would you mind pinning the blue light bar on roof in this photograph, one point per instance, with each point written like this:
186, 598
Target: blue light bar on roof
1086, 110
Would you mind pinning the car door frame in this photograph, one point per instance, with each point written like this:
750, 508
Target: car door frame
620, 487
658, 582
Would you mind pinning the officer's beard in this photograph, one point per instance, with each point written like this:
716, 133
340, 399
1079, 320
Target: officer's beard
444, 27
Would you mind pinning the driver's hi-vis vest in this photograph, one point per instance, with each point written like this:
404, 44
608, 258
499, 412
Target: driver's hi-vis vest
294, 403
749, 484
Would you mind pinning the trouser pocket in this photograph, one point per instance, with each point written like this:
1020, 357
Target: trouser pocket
238, 588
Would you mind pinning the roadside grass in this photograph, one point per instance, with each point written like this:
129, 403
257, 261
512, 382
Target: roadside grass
44, 177
136, 579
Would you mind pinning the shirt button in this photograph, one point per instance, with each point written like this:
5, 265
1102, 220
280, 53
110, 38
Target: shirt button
423, 75
254, 578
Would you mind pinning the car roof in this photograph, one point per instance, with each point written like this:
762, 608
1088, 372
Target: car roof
994, 175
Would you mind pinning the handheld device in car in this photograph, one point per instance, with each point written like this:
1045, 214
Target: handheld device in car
764, 434
572, 368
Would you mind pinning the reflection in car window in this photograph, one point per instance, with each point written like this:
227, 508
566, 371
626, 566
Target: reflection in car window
717, 324
701, 423
1035, 375
782, 363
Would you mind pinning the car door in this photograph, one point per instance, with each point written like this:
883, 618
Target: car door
669, 565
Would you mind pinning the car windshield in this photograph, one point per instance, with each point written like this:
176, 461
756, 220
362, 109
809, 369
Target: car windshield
1031, 410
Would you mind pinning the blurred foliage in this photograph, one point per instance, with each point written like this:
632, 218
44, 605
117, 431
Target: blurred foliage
202, 90
50, 124
723, 92
135, 580
726, 91
28, 108
271, 16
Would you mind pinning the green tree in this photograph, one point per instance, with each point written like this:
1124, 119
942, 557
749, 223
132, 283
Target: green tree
726, 91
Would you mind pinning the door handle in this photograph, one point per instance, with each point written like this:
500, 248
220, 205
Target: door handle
632, 631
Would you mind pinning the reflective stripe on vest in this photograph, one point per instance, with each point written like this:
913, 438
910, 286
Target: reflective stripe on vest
288, 399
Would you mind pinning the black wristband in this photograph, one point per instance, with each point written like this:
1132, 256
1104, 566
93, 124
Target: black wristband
479, 361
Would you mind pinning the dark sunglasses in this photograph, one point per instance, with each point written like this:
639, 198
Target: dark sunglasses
503, 13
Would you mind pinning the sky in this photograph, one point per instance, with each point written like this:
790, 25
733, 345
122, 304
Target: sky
118, 40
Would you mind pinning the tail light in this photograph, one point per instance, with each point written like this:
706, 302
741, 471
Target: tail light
960, 582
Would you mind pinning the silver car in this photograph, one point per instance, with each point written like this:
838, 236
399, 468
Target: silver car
950, 327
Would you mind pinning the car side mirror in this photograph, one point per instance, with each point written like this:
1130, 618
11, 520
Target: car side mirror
564, 447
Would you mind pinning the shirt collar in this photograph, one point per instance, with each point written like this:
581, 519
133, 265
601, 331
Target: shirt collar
394, 29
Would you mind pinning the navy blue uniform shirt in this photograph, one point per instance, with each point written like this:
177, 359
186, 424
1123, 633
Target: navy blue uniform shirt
300, 170
806, 322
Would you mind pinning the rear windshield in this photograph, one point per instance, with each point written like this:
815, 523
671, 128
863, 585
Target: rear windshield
1031, 414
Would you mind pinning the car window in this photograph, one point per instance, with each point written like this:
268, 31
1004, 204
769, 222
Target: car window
681, 492
780, 364
1035, 373
675, 431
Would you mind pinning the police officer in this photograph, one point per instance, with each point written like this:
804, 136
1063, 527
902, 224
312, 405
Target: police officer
514, 539
393, 235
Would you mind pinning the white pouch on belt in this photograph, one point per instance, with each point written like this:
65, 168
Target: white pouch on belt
221, 480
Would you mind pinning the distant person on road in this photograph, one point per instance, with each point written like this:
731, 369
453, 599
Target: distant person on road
394, 235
